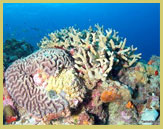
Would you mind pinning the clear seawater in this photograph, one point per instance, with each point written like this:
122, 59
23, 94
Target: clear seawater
139, 23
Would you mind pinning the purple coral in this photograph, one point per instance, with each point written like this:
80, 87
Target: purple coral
22, 88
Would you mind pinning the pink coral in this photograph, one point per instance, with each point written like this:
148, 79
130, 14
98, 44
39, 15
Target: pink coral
22, 82
7, 99
39, 80
8, 102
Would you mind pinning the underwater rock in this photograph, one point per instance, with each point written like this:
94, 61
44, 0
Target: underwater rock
148, 116
9, 111
119, 114
153, 67
25, 90
141, 73
152, 102
115, 91
85, 119
14, 49
82, 118
134, 75
144, 80
9, 114
95, 107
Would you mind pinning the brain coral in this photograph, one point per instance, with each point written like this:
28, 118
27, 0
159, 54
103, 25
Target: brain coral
33, 82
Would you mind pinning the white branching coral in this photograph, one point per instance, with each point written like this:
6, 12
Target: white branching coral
95, 52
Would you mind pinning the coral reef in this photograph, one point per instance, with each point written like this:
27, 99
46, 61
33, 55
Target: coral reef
68, 85
95, 52
9, 111
83, 78
148, 116
95, 106
14, 49
120, 115
26, 92
83, 118
144, 79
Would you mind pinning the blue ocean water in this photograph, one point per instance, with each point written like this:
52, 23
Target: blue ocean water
139, 23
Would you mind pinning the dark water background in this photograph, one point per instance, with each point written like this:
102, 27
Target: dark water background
139, 23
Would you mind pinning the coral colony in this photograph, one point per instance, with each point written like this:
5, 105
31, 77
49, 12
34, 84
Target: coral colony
82, 78
13, 50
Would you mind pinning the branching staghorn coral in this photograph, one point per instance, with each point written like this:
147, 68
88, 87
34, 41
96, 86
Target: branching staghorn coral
95, 52
90, 69
27, 81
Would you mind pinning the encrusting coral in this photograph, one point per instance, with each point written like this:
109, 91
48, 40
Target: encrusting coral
83, 118
95, 52
120, 115
144, 79
115, 91
28, 91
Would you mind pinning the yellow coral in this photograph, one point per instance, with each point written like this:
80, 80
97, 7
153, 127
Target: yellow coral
66, 82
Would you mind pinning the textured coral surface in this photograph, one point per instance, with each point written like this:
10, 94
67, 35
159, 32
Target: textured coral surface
95, 51
26, 93
84, 77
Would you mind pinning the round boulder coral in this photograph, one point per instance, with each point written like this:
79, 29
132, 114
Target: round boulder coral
33, 84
